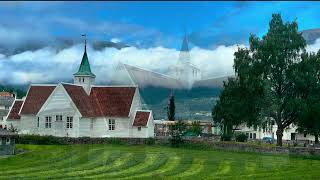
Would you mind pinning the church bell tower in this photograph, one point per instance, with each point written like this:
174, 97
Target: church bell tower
84, 76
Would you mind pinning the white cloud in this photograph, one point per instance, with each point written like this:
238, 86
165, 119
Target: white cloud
47, 65
115, 40
314, 47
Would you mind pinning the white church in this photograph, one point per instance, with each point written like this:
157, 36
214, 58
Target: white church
81, 109
184, 75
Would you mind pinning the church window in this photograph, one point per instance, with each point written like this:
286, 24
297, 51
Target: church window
139, 128
58, 117
69, 122
38, 122
82, 79
48, 122
112, 124
91, 124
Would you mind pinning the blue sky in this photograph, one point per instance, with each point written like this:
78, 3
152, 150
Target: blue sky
36, 36
148, 24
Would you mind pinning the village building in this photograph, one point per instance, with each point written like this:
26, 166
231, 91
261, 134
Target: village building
162, 127
6, 101
289, 134
7, 142
82, 109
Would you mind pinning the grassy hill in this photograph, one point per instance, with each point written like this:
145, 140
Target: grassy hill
150, 162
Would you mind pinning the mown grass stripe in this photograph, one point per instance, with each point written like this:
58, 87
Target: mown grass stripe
196, 168
169, 165
139, 160
117, 163
74, 157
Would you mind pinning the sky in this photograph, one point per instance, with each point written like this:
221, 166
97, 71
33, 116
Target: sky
30, 32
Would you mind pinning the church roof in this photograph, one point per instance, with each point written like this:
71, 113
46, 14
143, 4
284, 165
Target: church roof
105, 101
14, 112
141, 118
84, 69
36, 97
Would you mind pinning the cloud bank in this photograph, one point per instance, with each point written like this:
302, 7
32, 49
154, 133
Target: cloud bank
48, 65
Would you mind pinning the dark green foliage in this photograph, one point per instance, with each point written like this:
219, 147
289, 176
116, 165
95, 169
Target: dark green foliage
241, 137
226, 137
171, 109
306, 82
35, 139
150, 141
195, 128
177, 130
263, 87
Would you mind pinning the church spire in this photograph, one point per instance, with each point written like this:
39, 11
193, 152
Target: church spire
84, 69
84, 76
184, 52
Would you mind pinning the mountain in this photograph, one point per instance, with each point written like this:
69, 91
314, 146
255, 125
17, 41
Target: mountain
59, 43
311, 35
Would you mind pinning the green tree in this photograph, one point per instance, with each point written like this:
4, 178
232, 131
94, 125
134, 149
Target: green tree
306, 81
272, 59
226, 111
171, 108
177, 130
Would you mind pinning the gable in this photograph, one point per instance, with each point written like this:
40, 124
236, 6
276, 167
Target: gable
58, 103
36, 97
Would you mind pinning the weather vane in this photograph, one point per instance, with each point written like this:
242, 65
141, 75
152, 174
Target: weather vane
85, 41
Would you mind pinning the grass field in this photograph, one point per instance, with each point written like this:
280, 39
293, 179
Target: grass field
150, 162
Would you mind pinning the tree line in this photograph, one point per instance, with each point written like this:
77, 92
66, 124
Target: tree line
276, 80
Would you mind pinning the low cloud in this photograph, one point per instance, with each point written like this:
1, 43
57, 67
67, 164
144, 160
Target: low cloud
48, 65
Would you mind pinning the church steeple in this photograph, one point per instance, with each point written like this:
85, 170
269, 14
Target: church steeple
84, 76
84, 69
184, 56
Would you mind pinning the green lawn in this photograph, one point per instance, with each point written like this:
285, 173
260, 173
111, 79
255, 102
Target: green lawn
150, 162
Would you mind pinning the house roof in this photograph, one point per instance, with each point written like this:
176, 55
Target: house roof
14, 112
102, 101
4, 132
36, 97
84, 69
6, 100
4, 93
141, 118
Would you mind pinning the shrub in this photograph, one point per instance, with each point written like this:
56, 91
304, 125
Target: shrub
226, 137
150, 141
35, 139
241, 137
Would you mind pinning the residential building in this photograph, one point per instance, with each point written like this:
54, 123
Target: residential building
6, 100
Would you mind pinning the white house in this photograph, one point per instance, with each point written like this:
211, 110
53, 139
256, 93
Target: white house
289, 134
82, 109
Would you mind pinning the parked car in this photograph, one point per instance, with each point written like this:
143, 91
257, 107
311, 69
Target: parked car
267, 140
